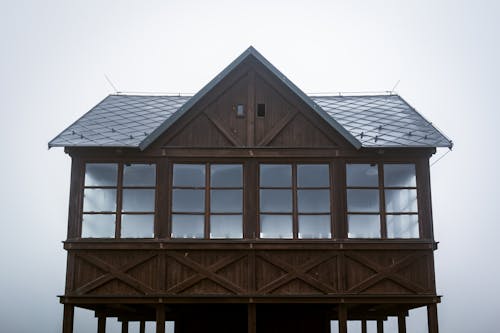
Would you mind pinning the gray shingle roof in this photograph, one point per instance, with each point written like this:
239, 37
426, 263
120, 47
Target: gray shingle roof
375, 121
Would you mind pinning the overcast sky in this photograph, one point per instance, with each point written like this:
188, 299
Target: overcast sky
54, 54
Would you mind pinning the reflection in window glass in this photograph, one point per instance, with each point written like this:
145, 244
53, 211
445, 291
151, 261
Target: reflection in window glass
98, 225
362, 175
226, 175
137, 226
226, 201
401, 201
187, 226
101, 174
226, 226
313, 175
99, 200
399, 175
188, 201
189, 175
364, 226
314, 226
276, 226
138, 200
275, 175
139, 175
313, 201
402, 226
277, 201
362, 200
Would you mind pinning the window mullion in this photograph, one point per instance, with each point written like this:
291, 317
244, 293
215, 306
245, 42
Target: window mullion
207, 201
295, 218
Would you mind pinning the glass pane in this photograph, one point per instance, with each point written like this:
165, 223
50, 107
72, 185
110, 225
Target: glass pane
398, 201
276, 226
314, 226
139, 175
402, 226
313, 175
188, 201
399, 175
277, 201
275, 175
364, 226
101, 174
98, 226
99, 200
313, 201
363, 201
189, 175
226, 226
137, 226
226, 175
226, 201
188, 226
362, 174
138, 200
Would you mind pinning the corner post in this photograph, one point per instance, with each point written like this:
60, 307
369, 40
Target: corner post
142, 326
380, 326
252, 318
363, 326
101, 324
68, 317
432, 318
125, 326
342, 318
401, 323
160, 318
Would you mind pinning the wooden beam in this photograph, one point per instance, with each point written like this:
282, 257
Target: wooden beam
142, 326
380, 326
252, 318
124, 326
363, 326
101, 324
68, 317
160, 318
432, 318
401, 323
342, 315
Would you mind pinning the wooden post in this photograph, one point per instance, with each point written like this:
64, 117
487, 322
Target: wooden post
363, 326
342, 318
101, 324
380, 326
432, 318
68, 317
252, 318
160, 318
401, 323
142, 326
125, 326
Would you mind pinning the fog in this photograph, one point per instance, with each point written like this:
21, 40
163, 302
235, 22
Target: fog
54, 55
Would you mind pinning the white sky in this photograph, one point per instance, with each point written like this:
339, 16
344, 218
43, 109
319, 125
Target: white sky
54, 54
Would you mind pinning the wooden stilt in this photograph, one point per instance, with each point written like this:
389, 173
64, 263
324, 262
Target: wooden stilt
432, 318
124, 326
401, 323
380, 326
342, 318
68, 317
142, 326
363, 326
101, 324
160, 318
252, 318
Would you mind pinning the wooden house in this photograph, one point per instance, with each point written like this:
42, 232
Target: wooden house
250, 207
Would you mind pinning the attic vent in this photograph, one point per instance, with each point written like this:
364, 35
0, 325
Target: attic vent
261, 110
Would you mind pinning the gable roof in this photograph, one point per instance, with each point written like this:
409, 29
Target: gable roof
132, 121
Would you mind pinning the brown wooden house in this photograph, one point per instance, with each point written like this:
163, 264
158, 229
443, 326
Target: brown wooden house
250, 207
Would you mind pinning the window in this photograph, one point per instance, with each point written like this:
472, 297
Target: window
294, 201
387, 211
119, 200
207, 201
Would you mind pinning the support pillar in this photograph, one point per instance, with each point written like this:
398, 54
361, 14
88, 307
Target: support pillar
252, 318
401, 323
380, 326
142, 326
125, 326
363, 326
342, 318
101, 324
432, 318
68, 317
160, 318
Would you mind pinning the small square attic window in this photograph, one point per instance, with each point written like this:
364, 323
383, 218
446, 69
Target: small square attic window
261, 110
240, 110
